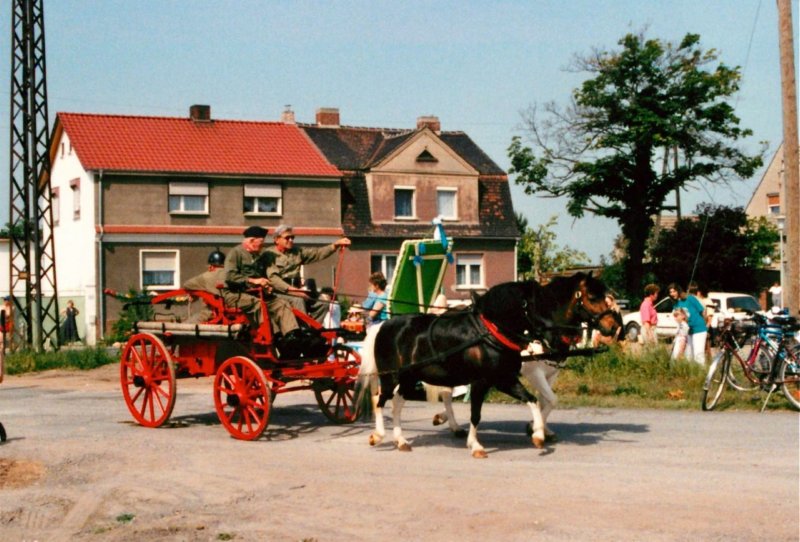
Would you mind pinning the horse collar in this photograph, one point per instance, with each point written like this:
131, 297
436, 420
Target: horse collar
495, 332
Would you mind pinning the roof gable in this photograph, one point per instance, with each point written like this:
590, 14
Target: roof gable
405, 156
181, 145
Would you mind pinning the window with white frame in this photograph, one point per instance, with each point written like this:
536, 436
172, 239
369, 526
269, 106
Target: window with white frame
774, 204
469, 271
385, 263
446, 203
159, 269
75, 185
188, 198
55, 203
262, 199
404, 202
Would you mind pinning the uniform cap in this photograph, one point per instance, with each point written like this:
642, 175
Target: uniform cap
255, 231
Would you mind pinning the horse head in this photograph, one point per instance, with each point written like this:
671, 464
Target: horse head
588, 304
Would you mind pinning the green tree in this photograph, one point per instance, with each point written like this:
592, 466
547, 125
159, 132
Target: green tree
608, 151
722, 249
538, 248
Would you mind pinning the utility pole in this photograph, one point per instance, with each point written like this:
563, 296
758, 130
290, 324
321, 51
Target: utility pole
31, 248
791, 191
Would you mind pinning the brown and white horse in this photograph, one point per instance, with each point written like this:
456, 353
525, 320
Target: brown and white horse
480, 347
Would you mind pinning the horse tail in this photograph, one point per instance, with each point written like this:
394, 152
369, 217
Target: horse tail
368, 372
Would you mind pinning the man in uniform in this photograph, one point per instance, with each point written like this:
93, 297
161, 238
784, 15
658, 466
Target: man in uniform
209, 281
245, 267
285, 262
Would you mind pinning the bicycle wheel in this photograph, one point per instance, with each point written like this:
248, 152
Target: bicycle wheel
737, 377
715, 380
789, 376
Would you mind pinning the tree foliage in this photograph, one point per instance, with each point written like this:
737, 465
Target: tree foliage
725, 245
538, 253
651, 119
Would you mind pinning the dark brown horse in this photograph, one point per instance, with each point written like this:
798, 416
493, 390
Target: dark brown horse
480, 347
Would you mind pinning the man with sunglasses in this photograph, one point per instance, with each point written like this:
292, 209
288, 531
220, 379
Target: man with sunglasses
244, 270
286, 260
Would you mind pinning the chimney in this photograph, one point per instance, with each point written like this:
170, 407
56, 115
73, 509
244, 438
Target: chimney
430, 121
200, 113
287, 117
328, 116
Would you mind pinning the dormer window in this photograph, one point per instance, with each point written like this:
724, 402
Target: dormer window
426, 156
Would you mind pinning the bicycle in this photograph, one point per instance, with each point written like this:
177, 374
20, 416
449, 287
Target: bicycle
762, 353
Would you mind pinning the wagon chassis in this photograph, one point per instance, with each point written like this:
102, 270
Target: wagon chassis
246, 365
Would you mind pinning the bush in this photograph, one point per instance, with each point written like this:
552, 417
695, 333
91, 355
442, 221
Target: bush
26, 361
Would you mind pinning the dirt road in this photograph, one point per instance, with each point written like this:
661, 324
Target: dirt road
76, 468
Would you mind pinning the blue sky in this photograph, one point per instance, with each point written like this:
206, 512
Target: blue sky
475, 65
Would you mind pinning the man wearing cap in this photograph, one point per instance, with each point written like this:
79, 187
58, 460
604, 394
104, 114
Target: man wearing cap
212, 280
245, 267
286, 259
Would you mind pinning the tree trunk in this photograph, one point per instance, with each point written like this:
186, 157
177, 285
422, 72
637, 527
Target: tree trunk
636, 230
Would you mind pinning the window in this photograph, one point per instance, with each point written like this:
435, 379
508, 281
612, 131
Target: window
260, 199
404, 203
188, 198
469, 271
75, 185
446, 203
774, 204
385, 263
159, 269
55, 202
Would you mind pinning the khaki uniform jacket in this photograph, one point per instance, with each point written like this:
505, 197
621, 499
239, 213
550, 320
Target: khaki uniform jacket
283, 268
208, 281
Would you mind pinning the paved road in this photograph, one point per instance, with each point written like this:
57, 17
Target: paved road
614, 474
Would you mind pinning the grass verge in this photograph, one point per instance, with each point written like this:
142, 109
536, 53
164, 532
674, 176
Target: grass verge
27, 361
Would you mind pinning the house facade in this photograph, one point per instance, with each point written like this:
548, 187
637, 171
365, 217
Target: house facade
140, 202
395, 182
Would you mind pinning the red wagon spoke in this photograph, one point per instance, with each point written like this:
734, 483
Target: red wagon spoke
147, 377
238, 386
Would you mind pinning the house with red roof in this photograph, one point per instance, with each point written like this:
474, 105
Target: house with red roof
139, 202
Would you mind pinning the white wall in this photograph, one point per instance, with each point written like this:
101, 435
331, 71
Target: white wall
74, 238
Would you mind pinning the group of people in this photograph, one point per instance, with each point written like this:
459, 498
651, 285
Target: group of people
692, 312
275, 270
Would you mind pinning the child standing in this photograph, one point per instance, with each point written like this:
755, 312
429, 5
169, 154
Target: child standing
682, 335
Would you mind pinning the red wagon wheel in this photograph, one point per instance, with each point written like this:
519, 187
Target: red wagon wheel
242, 398
147, 375
335, 396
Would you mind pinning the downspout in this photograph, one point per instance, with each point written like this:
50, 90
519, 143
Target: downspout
100, 269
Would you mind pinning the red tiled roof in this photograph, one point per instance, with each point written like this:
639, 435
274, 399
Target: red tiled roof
181, 145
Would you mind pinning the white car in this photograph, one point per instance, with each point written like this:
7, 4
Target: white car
727, 304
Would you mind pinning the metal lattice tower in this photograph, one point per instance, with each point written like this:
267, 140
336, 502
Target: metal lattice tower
32, 253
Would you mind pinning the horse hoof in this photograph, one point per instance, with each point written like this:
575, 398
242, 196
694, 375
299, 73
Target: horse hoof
438, 420
480, 454
551, 437
538, 443
374, 440
404, 447
460, 433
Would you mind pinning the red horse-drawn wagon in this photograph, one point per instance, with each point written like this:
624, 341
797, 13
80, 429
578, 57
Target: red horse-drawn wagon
247, 367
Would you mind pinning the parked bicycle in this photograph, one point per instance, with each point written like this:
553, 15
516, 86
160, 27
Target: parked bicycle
758, 353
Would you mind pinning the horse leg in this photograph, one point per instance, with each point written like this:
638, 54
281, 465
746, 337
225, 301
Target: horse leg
478, 394
542, 376
376, 437
517, 391
448, 415
397, 407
